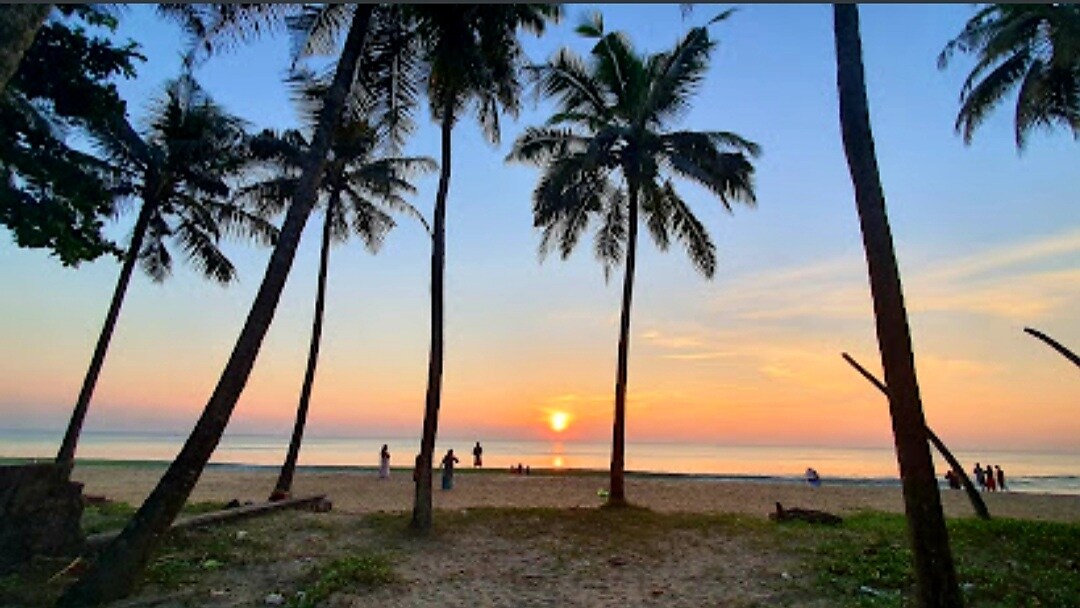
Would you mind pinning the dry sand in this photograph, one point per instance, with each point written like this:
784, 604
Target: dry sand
360, 491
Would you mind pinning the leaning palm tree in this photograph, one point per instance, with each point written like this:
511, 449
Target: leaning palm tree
178, 172
935, 575
469, 56
116, 569
1031, 48
358, 191
608, 155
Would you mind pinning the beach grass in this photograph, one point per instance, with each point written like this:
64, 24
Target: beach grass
508, 556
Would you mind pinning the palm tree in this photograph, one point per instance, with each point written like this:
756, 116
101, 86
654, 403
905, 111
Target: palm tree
608, 154
179, 172
935, 576
113, 574
1033, 48
18, 25
358, 190
470, 55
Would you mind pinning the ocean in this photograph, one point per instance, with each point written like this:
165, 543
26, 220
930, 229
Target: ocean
1040, 472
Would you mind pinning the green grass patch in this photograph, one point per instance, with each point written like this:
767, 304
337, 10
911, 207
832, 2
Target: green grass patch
355, 572
1003, 562
187, 554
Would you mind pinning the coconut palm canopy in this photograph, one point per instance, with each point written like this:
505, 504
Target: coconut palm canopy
610, 141
1030, 49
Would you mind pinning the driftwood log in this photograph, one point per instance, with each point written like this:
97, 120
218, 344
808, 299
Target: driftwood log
807, 515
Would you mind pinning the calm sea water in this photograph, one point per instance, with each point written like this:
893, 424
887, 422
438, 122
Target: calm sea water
1026, 471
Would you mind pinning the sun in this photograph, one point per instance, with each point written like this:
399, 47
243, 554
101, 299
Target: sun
559, 421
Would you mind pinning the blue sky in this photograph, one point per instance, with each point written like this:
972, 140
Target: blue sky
988, 241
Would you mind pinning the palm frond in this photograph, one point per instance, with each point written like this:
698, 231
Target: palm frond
696, 156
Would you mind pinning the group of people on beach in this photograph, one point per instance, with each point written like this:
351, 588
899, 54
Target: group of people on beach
990, 479
448, 462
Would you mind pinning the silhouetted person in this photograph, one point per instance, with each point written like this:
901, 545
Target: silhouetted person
1000, 478
477, 454
448, 462
953, 479
384, 462
991, 483
980, 480
812, 477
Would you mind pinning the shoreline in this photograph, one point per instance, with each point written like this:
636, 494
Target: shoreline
858, 482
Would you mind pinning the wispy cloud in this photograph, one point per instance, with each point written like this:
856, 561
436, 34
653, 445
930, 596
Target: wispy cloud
1019, 281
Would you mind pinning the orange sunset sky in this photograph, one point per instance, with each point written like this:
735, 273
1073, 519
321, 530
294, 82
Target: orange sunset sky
988, 242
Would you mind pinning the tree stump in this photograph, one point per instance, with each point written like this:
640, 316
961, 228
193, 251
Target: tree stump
40, 513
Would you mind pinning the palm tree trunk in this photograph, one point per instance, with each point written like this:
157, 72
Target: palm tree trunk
1054, 344
285, 478
617, 494
954, 464
113, 574
935, 575
421, 515
19, 23
66, 455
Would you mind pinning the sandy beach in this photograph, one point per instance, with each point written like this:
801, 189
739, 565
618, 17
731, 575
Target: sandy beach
360, 491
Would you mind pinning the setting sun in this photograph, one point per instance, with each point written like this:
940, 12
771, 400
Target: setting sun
559, 421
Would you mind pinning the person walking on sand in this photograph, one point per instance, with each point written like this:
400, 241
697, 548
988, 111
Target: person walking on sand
1000, 478
477, 454
979, 479
448, 462
384, 462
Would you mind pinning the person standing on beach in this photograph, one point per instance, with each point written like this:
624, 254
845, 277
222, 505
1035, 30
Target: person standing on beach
991, 484
979, 479
448, 462
384, 462
477, 453
1000, 478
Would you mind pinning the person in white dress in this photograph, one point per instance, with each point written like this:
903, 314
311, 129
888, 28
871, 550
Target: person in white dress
384, 462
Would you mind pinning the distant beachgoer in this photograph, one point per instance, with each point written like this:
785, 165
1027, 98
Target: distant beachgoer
384, 462
528, 471
953, 479
477, 453
1000, 478
448, 462
980, 480
812, 477
991, 483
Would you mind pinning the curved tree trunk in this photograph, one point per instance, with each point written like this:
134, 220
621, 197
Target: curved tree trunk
421, 515
617, 495
1054, 344
954, 464
113, 574
19, 23
66, 454
935, 575
284, 482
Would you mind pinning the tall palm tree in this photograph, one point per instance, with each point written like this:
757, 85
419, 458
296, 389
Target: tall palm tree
179, 173
470, 56
357, 190
935, 575
113, 574
608, 154
18, 25
1032, 48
